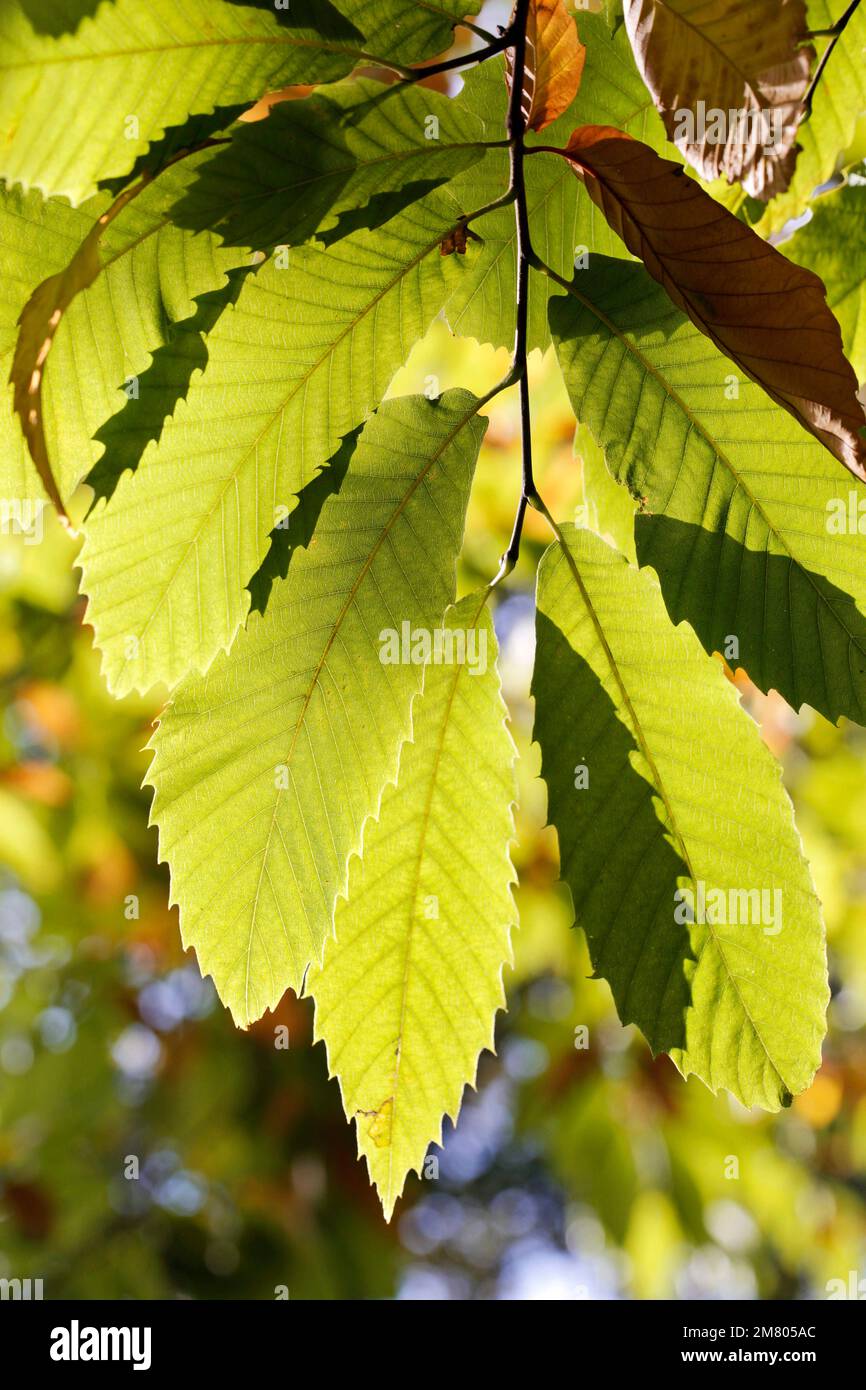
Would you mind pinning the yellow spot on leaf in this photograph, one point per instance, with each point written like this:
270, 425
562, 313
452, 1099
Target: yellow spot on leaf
379, 1128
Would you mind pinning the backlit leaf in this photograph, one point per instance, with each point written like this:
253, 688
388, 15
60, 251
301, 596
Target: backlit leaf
297, 363
312, 161
405, 30
151, 274
155, 64
408, 991
673, 818
266, 769
832, 245
608, 507
166, 381
839, 100
554, 63
703, 61
769, 316
739, 503
37, 327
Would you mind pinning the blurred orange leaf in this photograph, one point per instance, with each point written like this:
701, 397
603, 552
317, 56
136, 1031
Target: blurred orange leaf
42, 782
50, 709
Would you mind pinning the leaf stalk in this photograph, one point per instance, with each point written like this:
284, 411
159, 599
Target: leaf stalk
834, 33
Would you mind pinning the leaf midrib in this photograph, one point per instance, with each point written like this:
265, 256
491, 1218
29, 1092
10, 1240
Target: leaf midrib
277, 41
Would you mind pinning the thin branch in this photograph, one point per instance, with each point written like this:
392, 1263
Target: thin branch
480, 55
513, 37
507, 197
834, 34
516, 126
547, 149
509, 558
834, 28
551, 274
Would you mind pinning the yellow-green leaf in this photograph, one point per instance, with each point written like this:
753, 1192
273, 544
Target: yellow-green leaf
677, 839
266, 769
408, 992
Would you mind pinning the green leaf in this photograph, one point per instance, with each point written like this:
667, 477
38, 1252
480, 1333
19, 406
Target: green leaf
839, 100
62, 17
681, 793
266, 769
298, 528
832, 245
739, 500
608, 507
562, 218
153, 65
306, 166
177, 140
151, 274
613, 13
37, 327
126, 435
298, 362
406, 30
408, 992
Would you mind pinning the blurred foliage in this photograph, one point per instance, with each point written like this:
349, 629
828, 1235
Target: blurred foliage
148, 1149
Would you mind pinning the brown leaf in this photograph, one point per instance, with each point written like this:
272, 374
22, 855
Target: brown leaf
729, 81
765, 313
554, 63
37, 329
